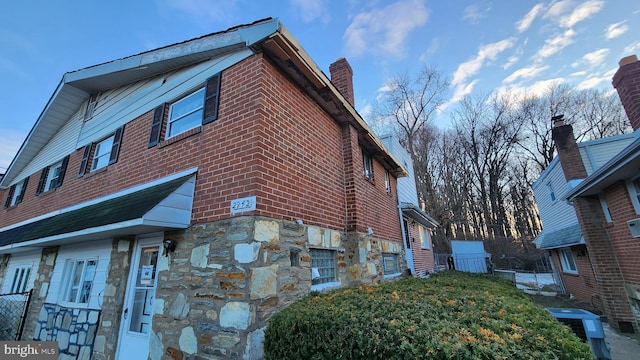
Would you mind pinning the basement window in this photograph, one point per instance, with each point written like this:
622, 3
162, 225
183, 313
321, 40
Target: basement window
323, 269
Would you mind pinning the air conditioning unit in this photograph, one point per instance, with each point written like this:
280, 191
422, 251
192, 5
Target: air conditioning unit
587, 326
634, 227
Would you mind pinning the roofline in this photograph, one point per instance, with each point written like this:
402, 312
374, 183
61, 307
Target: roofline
263, 34
624, 157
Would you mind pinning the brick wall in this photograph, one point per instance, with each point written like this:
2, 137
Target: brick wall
423, 260
581, 285
627, 82
271, 140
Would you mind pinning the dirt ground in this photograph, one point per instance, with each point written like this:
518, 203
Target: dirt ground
622, 346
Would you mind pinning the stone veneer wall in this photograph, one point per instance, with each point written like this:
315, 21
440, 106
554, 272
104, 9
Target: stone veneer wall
40, 289
112, 299
73, 329
227, 278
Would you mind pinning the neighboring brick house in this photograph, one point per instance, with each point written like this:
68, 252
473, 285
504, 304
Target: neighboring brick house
561, 235
416, 224
607, 206
171, 201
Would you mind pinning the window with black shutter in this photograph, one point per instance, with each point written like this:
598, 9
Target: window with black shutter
198, 108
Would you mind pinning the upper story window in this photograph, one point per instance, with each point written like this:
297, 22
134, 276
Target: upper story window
567, 261
79, 275
51, 176
551, 192
634, 193
387, 181
189, 112
16, 193
101, 154
367, 164
185, 114
605, 208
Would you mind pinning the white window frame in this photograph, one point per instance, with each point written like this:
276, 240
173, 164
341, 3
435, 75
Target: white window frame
424, 237
390, 271
367, 165
102, 154
58, 286
77, 274
16, 193
323, 275
184, 116
53, 175
605, 208
551, 192
633, 187
387, 181
567, 261
20, 279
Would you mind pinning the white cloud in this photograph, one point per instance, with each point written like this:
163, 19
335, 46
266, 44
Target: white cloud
473, 13
614, 30
525, 73
555, 44
461, 91
433, 48
485, 53
582, 12
595, 58
385, 30
525, 23
536, 89
558, 8
632, 48
309, 10
592, 82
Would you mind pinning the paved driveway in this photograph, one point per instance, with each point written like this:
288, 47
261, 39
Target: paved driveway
623, 346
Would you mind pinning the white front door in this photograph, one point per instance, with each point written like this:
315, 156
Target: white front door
137, 312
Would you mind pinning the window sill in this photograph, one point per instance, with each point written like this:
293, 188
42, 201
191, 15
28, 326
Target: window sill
572, 273
181, 136
47, 193
391, 276
96, 172
320, 287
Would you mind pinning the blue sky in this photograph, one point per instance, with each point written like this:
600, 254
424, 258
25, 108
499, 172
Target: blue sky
481, 46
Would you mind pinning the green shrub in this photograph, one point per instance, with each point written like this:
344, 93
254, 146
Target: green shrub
451, 315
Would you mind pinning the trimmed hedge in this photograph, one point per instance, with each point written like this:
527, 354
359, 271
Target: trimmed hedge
451, 315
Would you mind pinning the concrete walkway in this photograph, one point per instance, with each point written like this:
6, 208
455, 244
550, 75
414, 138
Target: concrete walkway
623, 346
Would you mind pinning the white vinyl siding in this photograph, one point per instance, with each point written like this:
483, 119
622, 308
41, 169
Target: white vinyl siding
406, 185
61, 288
596, 153
554, 214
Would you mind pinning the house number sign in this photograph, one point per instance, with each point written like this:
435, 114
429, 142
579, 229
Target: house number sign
243, 204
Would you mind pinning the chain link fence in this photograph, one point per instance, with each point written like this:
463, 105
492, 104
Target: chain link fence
13, 309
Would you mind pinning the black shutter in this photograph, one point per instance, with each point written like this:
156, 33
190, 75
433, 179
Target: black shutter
156, 126
211, 99
42, 181
22, 191
115, 148
12, 189
85, 160
63, 170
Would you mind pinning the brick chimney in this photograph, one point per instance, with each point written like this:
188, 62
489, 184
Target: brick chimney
627, 82
568, 152
342, 78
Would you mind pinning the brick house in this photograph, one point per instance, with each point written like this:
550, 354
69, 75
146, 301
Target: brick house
607, 206
561, 235
168, 203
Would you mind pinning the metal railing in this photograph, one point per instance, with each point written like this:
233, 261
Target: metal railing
13, 310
